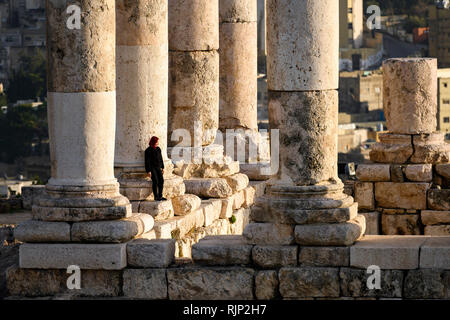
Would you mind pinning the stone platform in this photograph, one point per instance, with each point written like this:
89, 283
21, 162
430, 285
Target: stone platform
226, 267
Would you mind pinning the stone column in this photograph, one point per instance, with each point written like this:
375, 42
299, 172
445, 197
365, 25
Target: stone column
238, 65
82, 113
83, 220
238, 116
194, 69
305, 202
142, 93
410, 106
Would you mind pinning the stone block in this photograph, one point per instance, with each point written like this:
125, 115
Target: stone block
437, 231
237, 182
373, 172
242, 219
51, 282
397, 173
260, 187
364, 195
60, 256
273, 257
372, 222
266, 285
427, 284
439, 199
81, 214
159, 210
401, 195
227, 208
443, 170
208, 188
185, 204
224, 250
338, 234
149, 284
293, 215
406, 224
393, 148
269, 234
42, 231
239, 200
186, 223
324, 256
249, 194
211, 210
163, 229
114, 231
353, 283
256, 172
30, 194
219, 283
430, 217
309, 282
419, 172
143, 253
387, 252
430, 148
435, 253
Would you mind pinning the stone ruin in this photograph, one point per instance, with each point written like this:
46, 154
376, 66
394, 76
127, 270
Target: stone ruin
408, 182
305, 239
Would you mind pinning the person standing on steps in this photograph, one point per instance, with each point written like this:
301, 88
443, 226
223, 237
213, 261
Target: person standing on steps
154, 166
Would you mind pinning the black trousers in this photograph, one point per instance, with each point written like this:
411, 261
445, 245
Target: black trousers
157, 183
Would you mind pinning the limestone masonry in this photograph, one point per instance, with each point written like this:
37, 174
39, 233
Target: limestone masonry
223, 234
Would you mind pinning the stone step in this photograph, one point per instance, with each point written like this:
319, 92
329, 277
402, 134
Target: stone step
224, 250
159, 210
185, 204
61, 256
144, 253
338, 234
208, 188
387, 252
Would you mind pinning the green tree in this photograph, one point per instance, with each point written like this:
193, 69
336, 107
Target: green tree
19, 128
28, 81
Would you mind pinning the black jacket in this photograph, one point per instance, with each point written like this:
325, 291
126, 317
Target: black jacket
153, 159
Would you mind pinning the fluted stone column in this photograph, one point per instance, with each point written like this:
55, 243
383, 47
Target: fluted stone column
142, 93
305, 202
194, 69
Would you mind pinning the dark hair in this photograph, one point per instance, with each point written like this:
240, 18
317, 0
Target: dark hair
153, 142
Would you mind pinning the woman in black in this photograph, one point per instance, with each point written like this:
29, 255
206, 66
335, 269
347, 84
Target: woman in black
154, 166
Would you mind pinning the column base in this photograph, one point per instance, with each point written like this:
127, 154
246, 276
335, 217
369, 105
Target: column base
82, 203
319, 215
420, 148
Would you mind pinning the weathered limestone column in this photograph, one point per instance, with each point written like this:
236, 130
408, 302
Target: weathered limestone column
194, 69
305, 202
238, 117
81, 111
410, 106
142, 92
83, 220
238, 64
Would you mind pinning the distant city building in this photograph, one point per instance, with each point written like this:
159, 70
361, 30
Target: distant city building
443, 115
22, 30
360, 91
439, 36
351, 24
359, 50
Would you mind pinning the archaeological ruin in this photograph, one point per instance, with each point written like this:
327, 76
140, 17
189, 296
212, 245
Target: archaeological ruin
231, 229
